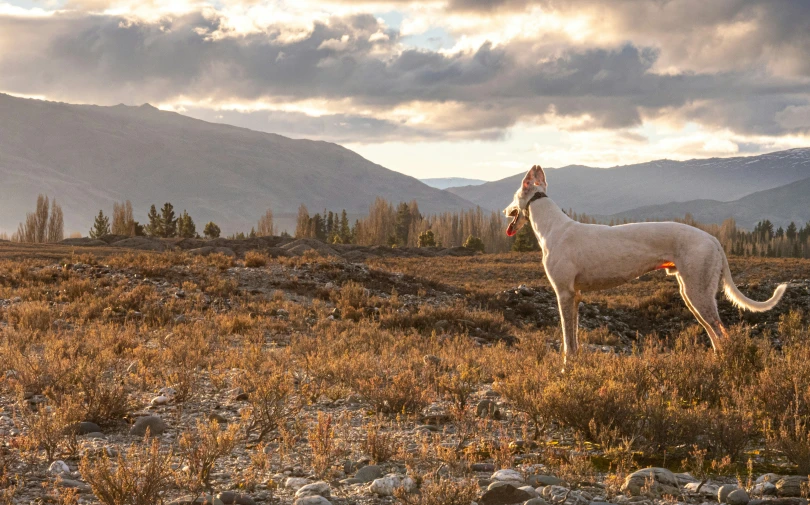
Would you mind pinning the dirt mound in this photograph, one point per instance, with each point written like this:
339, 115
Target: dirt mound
84, 242
272, 246
140, 244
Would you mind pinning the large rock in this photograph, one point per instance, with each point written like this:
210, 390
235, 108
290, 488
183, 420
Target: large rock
790, 486
724, 491
738, 497
319, 488
154, 424
658, 481
385, 486
507, 476
506, 494
233, 498
368, 473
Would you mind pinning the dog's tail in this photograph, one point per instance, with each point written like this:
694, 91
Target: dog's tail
742, 301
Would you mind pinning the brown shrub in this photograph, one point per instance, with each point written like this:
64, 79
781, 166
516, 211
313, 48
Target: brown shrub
256, 259
140, 475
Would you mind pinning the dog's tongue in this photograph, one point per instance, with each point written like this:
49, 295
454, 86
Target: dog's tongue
510, 230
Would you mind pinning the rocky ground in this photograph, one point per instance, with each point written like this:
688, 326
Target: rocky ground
297, 296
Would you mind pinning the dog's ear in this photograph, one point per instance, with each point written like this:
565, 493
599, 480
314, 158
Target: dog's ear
535, 177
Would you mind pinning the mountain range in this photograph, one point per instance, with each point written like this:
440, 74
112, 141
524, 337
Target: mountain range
451, 182
667, 189
88, 157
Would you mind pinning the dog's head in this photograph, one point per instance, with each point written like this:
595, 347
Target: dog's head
534, 181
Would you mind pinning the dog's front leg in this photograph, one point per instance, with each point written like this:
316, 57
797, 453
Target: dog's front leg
567, 302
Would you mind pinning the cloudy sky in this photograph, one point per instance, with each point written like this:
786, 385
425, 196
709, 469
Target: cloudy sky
466, 88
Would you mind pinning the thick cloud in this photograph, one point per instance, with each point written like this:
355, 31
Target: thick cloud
358, 60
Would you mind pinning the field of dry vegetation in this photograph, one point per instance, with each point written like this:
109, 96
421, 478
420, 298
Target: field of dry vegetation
145, 378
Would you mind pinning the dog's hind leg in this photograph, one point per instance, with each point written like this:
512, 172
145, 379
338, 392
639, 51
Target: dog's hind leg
699, 292
569, 316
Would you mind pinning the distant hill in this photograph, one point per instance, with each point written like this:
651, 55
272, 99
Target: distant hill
89, 157
451, 182
612, 190
781, 205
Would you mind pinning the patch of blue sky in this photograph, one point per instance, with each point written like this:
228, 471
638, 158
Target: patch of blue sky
40, 4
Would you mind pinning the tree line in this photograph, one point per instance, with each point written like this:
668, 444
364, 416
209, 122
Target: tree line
403, 225
400, 225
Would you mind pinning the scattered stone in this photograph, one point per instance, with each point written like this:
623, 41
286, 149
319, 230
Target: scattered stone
84, 427
482, 467
487, 408
790, 486
536, 501
738, 497
319, 488
660, 481
75, 484
530, 490
368, 473
312, 500
295, 483
160, 400
154, 424
769, 477
507, 476
724, 491
216, 416
779, 501
202, 500
58, 467
504, 495
385, 486
543, 480
233, 498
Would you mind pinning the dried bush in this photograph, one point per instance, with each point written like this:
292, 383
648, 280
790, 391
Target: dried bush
323, 443
200, 449
791, 437
139, 476
394, 392
441, 491
271, 401
48, 426
34, 316
255, 259
378, 444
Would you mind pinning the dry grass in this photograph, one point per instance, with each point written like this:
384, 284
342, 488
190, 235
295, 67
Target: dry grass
266, 348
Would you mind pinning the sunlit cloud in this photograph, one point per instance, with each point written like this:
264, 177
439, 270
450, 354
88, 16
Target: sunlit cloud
573, 82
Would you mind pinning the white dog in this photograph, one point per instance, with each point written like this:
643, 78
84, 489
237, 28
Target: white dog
587, 257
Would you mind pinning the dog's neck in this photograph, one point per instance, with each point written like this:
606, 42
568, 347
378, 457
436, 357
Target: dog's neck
545, 217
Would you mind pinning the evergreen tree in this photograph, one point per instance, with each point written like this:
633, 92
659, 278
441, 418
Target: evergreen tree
791, 231
474, 243
345, 231
168, 221
427, 239
101, 226
403, 223
155, 226
185, 226
525, 240
211, 230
